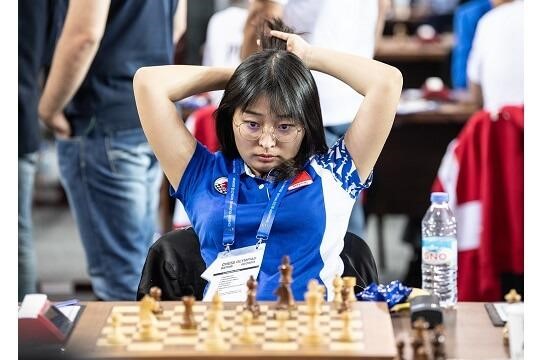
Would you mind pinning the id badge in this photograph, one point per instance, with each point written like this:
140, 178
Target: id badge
229, 273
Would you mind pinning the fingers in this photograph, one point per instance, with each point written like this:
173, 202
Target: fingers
279, 34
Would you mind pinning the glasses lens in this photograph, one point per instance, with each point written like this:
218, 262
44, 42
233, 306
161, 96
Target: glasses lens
250, 130
282, 133
286, 132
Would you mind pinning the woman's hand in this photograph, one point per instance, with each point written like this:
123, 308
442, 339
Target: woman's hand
295, 44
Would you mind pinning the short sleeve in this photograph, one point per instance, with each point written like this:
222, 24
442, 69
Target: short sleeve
339, 163
199, 167
474, 61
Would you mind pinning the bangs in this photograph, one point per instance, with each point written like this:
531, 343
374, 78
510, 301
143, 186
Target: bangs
282, 105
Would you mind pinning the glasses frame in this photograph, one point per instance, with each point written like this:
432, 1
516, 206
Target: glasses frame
298, 128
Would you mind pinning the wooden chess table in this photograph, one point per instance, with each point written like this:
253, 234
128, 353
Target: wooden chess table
469, 335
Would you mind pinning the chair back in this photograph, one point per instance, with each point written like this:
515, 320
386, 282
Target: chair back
174, 264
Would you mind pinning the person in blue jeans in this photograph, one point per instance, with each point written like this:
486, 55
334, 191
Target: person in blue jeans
35, 36
109, 172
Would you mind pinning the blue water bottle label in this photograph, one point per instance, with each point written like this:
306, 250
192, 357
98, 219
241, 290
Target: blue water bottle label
439, 250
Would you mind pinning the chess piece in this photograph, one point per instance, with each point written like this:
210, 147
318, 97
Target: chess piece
214, 337
282, 334
247, 337
345, 305
155, 293
420, 353
512, 297
148, 331
116, 337
437, 344
188, 322
346, 331
313, 304
506, 336
338, 286
147, 320
420, 327
314, 295
146, 305
217, 307
350, 282
284, 292
251, 301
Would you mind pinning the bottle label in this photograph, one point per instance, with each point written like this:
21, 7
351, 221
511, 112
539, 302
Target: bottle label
439, 250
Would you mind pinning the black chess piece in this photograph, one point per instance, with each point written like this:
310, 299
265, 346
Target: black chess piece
155, 293
284, 292
251, 301
188, 319
345, 303
438, 343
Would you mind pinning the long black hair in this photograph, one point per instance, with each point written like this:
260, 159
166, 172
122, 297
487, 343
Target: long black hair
284, 79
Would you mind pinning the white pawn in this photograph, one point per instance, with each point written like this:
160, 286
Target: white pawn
214, 339
217, 307
338, 286
282, 334
116, 337
247, 337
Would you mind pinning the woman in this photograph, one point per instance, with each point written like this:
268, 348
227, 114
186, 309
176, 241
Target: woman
274, 180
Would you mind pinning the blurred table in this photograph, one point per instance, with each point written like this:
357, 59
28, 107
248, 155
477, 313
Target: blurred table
417, 59
411, 48
409, 161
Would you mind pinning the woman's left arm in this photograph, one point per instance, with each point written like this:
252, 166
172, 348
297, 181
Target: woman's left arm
379, 83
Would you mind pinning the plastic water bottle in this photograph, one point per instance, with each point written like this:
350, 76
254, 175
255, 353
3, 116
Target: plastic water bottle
439, 250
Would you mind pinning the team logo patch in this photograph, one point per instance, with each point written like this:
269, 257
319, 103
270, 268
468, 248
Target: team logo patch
220, 184
301, 180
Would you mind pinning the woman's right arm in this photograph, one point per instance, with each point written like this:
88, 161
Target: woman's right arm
156, 89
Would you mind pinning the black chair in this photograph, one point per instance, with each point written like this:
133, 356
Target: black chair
174, 264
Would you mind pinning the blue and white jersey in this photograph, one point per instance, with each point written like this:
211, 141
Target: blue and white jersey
310, 223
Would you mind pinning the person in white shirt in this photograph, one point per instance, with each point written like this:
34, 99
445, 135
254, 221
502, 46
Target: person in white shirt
347, 25
495, 65
224, 36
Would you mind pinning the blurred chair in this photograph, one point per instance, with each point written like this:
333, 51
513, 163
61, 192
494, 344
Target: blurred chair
174, 264
482, 171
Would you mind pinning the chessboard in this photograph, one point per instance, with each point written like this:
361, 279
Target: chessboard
371, 326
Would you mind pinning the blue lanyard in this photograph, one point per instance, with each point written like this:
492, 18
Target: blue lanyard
231, 203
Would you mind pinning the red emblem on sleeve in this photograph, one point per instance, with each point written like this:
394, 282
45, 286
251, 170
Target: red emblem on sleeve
302, 179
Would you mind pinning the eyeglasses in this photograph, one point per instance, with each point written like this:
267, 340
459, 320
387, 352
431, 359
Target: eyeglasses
252, 130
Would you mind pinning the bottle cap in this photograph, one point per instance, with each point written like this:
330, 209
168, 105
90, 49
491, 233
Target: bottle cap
439, 197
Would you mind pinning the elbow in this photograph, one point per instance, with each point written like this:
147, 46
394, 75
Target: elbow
395, 78
393, 82
140, 79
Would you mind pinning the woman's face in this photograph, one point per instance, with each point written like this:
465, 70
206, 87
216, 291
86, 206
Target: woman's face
266, 152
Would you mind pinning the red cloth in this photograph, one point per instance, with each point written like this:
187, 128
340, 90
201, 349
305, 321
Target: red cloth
483, 170
205, 127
